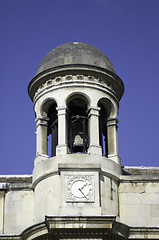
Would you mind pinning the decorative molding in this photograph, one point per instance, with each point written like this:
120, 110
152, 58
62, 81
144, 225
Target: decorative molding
144, 233
84, 227
53, 82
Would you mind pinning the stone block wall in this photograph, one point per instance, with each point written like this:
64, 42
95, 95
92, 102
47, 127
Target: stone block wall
139, 197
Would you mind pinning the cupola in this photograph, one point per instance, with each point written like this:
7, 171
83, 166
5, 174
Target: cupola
76, 95
64, 69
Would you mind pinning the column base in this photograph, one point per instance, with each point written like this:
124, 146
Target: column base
95, 149
61, 149
115, 158
39, 158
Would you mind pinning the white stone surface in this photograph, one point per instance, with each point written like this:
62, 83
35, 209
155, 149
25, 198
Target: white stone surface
19, 211
2, 193
139, 203
47, 197
109, 196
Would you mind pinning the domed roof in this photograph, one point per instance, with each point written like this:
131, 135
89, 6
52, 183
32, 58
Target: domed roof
75, 53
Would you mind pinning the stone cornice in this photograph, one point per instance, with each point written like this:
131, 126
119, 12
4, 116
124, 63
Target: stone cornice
81, 226
139, 178
113, 81
10, 237
144, 233
16, 178
69, 227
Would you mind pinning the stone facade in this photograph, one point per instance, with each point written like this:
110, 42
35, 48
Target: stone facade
78, 189
138, 210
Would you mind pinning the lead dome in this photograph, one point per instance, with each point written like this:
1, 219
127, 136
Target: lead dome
75, 59
75, 53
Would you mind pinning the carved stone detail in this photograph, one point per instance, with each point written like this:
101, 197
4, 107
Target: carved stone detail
72, 79
79, 188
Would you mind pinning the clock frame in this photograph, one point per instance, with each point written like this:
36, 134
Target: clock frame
79, 188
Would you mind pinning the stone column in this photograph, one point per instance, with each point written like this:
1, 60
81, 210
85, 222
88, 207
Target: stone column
2, 197
112, 139
62, 131
41, 136
93, 124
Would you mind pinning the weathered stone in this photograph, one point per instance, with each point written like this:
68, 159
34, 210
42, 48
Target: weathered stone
80, 191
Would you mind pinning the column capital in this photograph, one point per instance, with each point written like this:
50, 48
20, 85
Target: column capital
112, 121
43, 121
61, 110
93, 110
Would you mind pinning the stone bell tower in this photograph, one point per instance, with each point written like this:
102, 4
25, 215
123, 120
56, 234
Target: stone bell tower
76, 95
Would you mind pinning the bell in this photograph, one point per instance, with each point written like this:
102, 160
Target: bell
78, 140
78, 135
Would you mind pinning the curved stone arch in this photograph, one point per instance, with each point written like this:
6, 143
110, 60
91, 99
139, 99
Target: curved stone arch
49, 114
80, 95
109, 106
107, 112
46, 104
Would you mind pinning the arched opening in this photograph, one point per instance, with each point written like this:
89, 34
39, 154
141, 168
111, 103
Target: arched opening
103, 141
52, 130
104, 113
77, 124
49, 110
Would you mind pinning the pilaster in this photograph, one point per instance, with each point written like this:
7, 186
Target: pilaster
2, 196
112, 139
93, 117
41, 138
62, 131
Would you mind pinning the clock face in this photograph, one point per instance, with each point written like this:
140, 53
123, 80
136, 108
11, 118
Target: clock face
80, 188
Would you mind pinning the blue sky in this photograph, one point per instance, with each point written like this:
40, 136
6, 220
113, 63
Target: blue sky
127, 31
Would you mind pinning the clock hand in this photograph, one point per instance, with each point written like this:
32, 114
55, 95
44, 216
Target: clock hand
82, 193
84, 186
